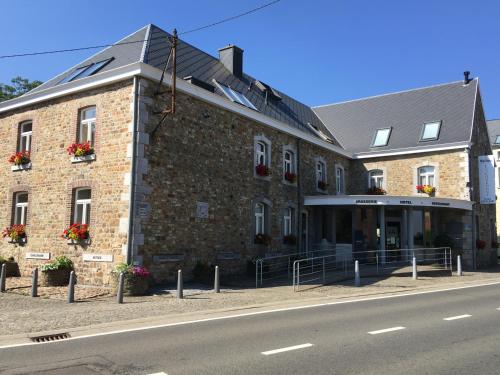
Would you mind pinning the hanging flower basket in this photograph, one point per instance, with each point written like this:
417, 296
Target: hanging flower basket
263, 239
426, 189
136, 279
77, 233
20, 158
56, 272
376, 191
262, 170
16, 233
322, 185
290, 177
80, 149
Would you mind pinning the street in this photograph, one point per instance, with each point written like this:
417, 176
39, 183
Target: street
451, 332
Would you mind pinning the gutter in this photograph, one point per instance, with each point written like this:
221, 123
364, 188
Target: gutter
131, 206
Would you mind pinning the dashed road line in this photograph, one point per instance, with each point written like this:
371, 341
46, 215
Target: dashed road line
392, 329
287, 349
458, 317
159, 373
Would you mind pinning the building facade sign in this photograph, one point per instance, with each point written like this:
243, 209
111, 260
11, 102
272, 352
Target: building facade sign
97, 257
44, 256
487, 179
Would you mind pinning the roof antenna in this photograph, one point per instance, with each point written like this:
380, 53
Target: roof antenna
466, 77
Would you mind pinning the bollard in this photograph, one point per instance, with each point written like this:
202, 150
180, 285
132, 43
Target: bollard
357, 280
34, 283
71, 287
2, 278
216, 281
180, 293
459, 265
414, 270
119, 295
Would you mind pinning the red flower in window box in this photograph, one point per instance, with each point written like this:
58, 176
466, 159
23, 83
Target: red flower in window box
20, 158
76, 232
426, 189
376, 191
289, 239
15, 232
263, 239
80, 149
323, 185
262, 170
480, 244
290, 177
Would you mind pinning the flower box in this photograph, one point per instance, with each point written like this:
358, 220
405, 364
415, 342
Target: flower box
136, 279
290, 177
21, 167
20, 158
262, 170
426, 189
82, 159
322, 185
56, 272
15, 233
81, 150
11, 267
262, 239
376, 191
77, 234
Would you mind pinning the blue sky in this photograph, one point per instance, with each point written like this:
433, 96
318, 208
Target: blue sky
318, 51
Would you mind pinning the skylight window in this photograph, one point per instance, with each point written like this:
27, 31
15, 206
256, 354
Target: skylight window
319, 133
381, 137
86, 70
235, 96
497, 140
430, 131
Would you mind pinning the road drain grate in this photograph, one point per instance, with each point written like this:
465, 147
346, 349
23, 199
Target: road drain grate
54, 337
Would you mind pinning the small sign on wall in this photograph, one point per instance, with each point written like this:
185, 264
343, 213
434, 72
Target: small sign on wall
487, 179
202, 210
44, 256
97, 257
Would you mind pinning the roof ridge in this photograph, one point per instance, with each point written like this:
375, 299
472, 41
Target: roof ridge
392, 93
145, 44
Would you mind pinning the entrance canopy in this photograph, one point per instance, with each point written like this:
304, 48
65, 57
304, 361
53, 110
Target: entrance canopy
386, 200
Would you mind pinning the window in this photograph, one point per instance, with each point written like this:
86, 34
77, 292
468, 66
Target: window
25, 131
497, 140
21, 208
82, 206
426, 175
339, 174
288, 162
381, 137
260, 212
288, 221
376, 178
85, 71
235, 96
261, 153
430, 131
86, 129
320, 171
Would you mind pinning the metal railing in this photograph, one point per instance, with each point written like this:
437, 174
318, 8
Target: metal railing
322, 269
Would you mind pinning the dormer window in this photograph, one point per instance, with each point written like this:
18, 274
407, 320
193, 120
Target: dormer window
381, 137
235, 96
430, 131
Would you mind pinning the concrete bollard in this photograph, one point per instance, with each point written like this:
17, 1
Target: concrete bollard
34, 283
180, 286
3, 274
119, 295
459, 266
216, 281
414, 268
357, 279
71, 287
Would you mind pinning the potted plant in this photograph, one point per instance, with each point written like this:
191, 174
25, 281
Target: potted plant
11, 266
20, 158
322, 185
289, 239
262, 170
16, 233
81, 152
262, 239
136, 279
77, 233
57, 271
374, 190
426, 189
290, 177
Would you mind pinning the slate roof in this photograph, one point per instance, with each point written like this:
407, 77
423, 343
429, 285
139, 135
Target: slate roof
355, 122
191, 61
493, 131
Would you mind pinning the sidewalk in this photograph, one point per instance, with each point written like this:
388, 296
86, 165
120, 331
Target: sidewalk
21, 315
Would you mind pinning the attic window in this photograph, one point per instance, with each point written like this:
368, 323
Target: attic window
268, 91
235, 96
320, 134
86, 70
497, 140
430, 131
381, 137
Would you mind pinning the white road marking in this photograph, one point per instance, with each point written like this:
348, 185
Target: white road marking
255, 313
159, 373
498, 308
386, 330
287, 349
458, 317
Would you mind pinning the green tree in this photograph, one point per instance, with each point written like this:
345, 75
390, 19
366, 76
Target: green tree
19, 87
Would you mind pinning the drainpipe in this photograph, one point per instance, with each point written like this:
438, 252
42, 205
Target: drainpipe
299, 202
131, 206
473, 218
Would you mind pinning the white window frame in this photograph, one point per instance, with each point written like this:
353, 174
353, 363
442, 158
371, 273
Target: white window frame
339, 179
261, 153
23, 207
89, 124
288, 221
23, 134
261, 139
422, 139
87, 206
320, 171
288, 165
260, 218
426, 175
379, 179
386, 140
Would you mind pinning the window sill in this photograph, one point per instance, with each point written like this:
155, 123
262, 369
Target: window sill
288, 183
21, 241
22, 167
81, 242
264, 178
81, 159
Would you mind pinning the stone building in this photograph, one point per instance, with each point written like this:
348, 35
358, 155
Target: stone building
240, 171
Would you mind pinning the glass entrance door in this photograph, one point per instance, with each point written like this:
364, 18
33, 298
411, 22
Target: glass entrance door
393, 240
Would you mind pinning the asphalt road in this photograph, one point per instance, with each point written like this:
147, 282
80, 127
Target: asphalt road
404, 335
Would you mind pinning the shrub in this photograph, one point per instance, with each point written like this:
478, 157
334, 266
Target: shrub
60, 263
6, 260
262, 170
131, 270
